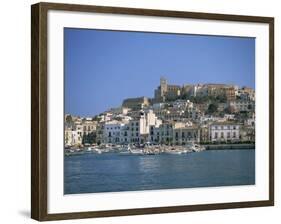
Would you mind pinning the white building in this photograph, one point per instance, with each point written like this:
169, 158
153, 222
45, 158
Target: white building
224, 131
163, 134
135, 130
184, 134
174, 133
72, 137
113, 132
139, 127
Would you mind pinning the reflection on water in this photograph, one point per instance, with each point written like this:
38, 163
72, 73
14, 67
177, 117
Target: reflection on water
116, 172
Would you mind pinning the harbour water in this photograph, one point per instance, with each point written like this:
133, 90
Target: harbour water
115, 172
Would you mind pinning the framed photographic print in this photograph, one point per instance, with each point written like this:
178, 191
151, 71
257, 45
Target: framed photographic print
141, 111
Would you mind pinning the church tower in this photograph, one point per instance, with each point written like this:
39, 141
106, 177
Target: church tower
163, 86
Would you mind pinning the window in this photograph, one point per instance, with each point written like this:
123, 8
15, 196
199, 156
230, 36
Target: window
234, 134
216, 135
228, 134
222, 135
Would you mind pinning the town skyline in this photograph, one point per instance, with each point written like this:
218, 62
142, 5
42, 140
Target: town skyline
127, 64
151, 97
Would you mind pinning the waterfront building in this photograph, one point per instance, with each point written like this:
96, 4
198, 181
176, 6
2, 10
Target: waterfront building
132, 130
137, 103
139, 126
72, 137
204, 134
224, 132
99, 133
183, 135
88, 126
247, 133
113, 132
174, 133
163, 134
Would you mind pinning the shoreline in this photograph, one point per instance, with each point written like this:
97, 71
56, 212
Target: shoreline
242, 146
229, 146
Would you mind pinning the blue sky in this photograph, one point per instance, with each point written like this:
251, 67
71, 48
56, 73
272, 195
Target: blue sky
104, 67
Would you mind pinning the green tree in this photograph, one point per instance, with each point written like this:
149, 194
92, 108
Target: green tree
213, 108
221, 98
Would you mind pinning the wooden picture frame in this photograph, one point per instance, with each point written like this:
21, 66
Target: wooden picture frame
39, 109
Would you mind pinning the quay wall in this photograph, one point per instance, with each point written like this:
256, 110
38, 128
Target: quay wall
230, 146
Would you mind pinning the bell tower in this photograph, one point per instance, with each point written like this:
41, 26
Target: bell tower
163, 86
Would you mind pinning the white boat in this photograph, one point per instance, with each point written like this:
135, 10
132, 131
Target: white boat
128, 149
96, 150
195, 147
136, 151
174, 152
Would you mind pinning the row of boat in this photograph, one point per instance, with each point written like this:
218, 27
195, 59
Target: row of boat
152, 150
145, 149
